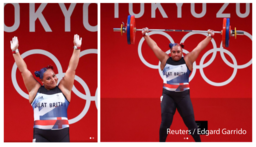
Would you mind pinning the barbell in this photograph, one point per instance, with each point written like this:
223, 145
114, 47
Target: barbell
130, 30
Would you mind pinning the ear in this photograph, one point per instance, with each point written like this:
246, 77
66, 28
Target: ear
42, 81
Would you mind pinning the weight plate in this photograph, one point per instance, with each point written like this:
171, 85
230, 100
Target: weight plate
128, 29
132, 29
227, 32
224, 32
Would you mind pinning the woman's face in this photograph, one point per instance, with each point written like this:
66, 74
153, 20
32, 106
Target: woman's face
50, 79
176, 53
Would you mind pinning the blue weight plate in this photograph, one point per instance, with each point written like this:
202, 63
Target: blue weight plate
128, 29
227, 32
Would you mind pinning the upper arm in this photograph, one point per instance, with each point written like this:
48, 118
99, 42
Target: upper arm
192, 56
30, 82
161, 55
68, 80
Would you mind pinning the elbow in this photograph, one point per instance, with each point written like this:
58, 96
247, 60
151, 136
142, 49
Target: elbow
154, 46
22, 70
200, 47
72, 69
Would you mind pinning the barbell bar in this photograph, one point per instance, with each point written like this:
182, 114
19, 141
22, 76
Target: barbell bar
130, 30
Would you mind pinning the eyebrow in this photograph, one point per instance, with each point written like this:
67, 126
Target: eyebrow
50, 76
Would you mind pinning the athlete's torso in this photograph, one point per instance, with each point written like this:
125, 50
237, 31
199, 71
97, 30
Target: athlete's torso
176, 75
50, 109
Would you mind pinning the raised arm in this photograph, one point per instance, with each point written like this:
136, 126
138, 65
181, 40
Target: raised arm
161, 55
192, 56
30, 82
67, 82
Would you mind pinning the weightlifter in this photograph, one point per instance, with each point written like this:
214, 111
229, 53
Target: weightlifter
176, 92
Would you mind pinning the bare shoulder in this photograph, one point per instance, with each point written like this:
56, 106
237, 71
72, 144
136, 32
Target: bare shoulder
65, 91
163, 62
188, 63
33, 92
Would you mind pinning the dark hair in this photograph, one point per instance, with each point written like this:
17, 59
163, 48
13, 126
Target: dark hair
174, 44
40, 73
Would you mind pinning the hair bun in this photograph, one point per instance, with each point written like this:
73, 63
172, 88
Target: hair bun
182, 45
37, 73
171, 45
50, 66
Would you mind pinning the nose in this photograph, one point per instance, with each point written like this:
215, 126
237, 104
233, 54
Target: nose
52, 79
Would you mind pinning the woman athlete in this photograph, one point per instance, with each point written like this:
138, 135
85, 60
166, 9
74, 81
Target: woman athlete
176, 94
49, 101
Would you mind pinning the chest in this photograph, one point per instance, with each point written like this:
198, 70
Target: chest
49, 100
174, 70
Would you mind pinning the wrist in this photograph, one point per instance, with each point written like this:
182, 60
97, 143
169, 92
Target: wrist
15, 51
210, 35
145, 34
77, 47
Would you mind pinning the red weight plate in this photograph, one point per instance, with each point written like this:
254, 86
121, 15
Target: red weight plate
224, 32
132, 29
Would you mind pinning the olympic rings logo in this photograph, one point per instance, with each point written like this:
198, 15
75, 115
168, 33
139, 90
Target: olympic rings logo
201, 65
60, 75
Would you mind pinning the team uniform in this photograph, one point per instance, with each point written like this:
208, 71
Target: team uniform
50, 116
176, 94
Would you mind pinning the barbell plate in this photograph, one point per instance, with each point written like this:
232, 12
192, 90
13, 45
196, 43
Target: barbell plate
132, 29
235, 32
121, 29
224, 31
227, 32
128, 29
